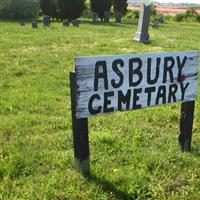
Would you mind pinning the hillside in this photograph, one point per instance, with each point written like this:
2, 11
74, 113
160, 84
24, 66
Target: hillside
134, 155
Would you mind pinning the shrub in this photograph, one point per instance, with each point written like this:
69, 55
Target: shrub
4, 9
100, 6
63, 9
159, 18
50, 8
87, 10
168, 17
71, 9
19, 9
133, 14
153, 9
120, 6
179, 17
190, 13
198, 18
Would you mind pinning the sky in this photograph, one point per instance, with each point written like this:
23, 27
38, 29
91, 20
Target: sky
180, 1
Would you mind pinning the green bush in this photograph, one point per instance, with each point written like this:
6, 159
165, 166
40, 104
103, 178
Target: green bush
153, 10
161, 18
179, 17
50, 8
168, 17
100, 6
19, 9
71, 9
198, 18
87, 11
120, 6
63, 9
4, 9
133, 14
190, 13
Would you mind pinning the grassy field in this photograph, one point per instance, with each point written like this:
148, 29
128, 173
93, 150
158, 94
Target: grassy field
134, 155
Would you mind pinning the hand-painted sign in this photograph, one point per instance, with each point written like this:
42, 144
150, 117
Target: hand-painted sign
107, 84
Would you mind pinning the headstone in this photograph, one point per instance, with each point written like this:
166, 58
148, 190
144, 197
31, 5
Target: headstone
22, 23
66, 22
34, 24
106, 16
142, 34
75, 23
118, 17
47, 21
95, 17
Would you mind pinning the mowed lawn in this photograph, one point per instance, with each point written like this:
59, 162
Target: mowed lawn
134, 155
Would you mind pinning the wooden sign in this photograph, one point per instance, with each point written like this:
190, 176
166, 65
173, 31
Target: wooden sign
107, 84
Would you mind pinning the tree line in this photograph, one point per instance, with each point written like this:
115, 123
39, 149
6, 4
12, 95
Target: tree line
58, 9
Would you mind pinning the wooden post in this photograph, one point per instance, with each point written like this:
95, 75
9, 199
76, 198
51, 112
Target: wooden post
80, 133
186, 124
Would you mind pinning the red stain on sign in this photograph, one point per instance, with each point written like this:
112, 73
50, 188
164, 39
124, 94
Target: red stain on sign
181, 78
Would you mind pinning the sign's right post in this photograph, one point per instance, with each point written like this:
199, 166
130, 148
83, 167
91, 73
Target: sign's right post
186, 125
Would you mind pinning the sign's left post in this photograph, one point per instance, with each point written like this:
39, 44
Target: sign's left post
80, 133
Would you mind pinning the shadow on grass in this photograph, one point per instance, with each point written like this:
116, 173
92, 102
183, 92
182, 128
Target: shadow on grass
112, 24
82, 21
110, 188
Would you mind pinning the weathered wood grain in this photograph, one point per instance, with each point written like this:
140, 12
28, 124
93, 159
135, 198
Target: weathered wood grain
80, 134
186, 125
85, 75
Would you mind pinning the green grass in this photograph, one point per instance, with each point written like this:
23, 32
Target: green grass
134, 155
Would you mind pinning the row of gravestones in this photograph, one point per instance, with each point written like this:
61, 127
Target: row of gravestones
47, 22
106, 17
141, 35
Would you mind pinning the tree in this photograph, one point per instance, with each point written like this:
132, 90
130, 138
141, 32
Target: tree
50, 8
198, 18
179, 17
71, 9
4, 9
19, 9
190, 13
100, 6
120, 6
153, 10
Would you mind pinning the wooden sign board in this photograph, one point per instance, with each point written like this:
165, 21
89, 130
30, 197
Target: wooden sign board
107, 84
